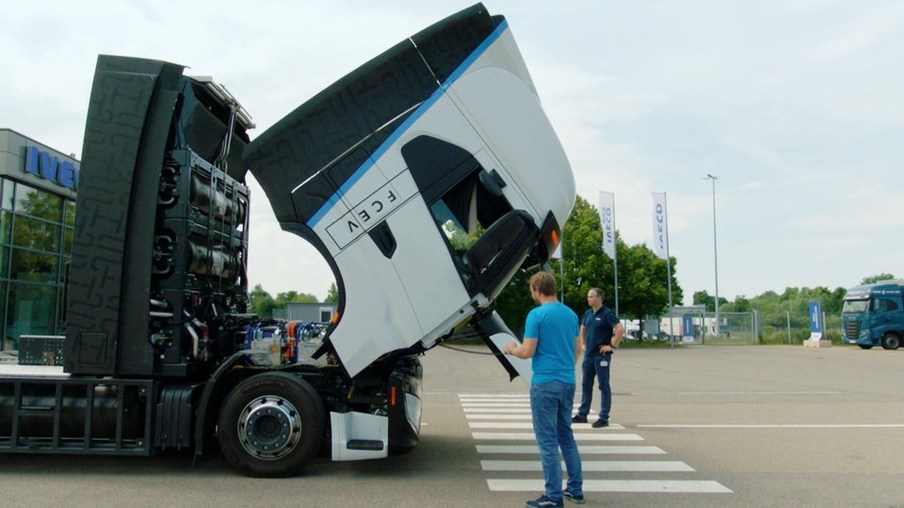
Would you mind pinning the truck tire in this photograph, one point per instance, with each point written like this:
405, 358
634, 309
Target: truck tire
891, 341
271, 425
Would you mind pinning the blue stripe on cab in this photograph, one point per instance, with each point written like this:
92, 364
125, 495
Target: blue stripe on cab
427, 104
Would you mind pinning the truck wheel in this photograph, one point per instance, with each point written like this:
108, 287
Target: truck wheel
891, 341
271, 425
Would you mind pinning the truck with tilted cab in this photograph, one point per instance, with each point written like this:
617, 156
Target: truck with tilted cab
426, 178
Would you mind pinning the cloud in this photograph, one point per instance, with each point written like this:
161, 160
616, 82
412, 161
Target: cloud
866, 31
796, 106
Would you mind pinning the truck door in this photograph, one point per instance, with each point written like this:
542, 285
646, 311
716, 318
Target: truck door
885, 314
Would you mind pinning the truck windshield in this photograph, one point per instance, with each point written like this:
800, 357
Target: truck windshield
855, 306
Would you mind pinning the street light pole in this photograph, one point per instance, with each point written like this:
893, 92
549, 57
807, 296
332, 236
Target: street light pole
715, 251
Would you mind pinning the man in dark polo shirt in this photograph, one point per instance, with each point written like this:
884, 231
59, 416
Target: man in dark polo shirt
600, 333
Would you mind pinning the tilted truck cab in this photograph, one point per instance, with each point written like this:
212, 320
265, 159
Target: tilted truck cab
873, 315
426, 178
426, 203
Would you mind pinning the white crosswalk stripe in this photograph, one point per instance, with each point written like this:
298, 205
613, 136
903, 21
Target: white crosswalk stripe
518, 410
585, 450
468, 405
650, 486
529, 425
529, 436
503, 418
495, 416
589, 466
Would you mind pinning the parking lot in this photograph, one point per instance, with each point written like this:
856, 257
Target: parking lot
691, 426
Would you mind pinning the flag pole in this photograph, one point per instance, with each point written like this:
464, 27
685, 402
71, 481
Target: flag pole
668, 265
609, 243
615, 259
661, 242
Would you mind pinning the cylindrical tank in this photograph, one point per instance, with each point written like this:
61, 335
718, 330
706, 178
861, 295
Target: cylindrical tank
215, 261
37, 408
215, 202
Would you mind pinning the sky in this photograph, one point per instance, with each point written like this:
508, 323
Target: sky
795, 106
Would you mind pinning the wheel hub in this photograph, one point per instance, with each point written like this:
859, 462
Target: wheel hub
269, 427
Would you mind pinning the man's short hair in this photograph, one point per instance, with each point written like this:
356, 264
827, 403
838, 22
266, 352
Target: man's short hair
598, 291
544, 283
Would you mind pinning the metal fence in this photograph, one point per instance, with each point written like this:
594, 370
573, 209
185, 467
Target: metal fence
794, 328
703, 328
740, 328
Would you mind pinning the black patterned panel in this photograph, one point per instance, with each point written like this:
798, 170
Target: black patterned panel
160, 230
123, 92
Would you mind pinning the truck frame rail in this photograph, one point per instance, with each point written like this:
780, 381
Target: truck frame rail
63, 414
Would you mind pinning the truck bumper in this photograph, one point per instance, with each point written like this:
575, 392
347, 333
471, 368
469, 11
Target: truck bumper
361, 436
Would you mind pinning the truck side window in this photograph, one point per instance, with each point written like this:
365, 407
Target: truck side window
877, 306
448, 177
881, 305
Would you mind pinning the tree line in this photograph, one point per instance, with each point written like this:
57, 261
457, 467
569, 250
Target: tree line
790, 308
263, 304
643, 284
642, 276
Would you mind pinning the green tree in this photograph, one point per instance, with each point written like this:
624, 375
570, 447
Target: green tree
836, 301
704, 298
514, 302
283, 299
641, 275
34, 235
643, 278
583, 264
261, 302
790, 308
740, 304
877, 278
332, 295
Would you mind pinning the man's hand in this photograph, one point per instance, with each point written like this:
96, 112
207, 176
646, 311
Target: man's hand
523, 350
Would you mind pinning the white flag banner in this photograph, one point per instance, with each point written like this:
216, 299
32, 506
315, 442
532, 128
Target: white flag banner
607, 221
660, 225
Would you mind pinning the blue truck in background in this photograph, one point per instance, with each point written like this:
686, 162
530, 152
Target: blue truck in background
873, 315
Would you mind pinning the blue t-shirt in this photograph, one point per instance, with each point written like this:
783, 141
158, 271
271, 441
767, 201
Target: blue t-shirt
598, 329
555, 326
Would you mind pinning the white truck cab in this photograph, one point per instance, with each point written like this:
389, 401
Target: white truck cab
426, 203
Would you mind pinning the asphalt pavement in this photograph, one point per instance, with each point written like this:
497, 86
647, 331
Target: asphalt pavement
727, 426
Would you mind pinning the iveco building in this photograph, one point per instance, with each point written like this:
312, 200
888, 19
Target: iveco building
37, 210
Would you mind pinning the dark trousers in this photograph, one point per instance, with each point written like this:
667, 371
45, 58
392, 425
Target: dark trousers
596, 366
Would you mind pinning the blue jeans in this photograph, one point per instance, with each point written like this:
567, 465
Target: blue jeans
550, 406
593, 368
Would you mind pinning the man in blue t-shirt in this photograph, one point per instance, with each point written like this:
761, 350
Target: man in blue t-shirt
551, 341
600, 334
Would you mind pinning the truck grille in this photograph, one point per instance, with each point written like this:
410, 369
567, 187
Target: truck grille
851, 329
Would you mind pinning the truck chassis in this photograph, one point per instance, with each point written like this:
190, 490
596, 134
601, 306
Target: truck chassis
426, 178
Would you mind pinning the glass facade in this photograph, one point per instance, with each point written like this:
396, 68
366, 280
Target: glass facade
36, 228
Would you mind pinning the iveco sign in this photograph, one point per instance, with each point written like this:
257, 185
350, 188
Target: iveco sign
50, 167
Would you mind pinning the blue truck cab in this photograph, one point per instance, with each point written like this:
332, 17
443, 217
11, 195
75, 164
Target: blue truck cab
873, 315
